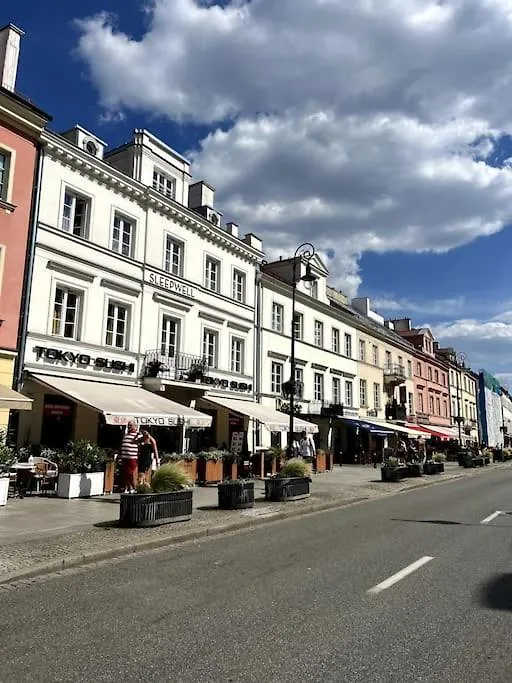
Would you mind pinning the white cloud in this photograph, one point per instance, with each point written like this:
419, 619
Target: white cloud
364, 123
437, 307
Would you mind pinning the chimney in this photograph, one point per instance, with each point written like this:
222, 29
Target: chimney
200, 195
253, 241
232, 228
10, 38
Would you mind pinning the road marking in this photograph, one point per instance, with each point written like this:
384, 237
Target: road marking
491, 517
400, 575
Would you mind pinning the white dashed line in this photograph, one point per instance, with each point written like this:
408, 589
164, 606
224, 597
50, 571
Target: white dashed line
491, 517
400, 575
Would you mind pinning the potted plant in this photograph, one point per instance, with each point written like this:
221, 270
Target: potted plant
414, 469
236, 494
81, 470
188, 462
7, 457
393, 470
292, 482
168, 499
439, 459
320, 461
209, 466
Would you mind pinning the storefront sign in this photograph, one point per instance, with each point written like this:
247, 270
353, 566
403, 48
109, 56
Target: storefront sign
171, 285
226, 384
83, 360
56, 410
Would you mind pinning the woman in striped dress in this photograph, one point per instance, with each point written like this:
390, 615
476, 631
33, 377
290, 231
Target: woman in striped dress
129, 457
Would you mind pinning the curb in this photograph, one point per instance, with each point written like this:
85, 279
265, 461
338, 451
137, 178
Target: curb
76, 561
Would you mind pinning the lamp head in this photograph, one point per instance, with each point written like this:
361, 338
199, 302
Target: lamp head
309, 276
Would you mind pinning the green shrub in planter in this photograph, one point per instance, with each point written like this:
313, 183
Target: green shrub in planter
81, 457
213, 454
439, 457
170, 477
295, 467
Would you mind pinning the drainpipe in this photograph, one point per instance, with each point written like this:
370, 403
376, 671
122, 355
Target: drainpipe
257, 349
144, 262
29, 268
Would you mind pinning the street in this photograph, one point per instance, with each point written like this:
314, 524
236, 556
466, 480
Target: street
412, 587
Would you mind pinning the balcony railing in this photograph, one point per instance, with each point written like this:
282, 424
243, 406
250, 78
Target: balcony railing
182, 367
396, 412
394, 374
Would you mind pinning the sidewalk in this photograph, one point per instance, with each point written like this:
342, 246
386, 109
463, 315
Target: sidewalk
39, 534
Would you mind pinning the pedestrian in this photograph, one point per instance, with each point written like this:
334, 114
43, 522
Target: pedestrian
306, 446
130, 457
148, 456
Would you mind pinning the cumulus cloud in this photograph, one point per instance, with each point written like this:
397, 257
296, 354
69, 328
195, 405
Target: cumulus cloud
438, 307
364, 123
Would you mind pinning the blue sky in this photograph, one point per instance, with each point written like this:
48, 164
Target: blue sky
384, 131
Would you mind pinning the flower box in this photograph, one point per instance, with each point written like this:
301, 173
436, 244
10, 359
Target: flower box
209, 471
414, 469
283, 489
82, 485
4, 490
236, 495
190, 468
432, 468
153, 509
393, 473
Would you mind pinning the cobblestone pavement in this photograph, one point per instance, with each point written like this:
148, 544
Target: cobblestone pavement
105, 538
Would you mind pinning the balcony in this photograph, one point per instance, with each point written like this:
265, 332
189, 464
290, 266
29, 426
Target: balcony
181, 368
396, 412
394, 375
325, 409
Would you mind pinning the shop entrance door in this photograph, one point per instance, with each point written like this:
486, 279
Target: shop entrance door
58, 420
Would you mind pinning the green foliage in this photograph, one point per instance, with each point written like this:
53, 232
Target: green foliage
143, 488
275, 452
177, 457
391, 462
169, 477
296, 467
439, 457
214, 454
7, 454
81, 456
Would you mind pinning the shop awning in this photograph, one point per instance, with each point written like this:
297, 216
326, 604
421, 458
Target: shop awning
120, 403
273, 420
12, 400
425, 431
373, 428
400, 429
450, 432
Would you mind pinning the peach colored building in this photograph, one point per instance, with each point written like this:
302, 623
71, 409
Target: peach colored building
21, 125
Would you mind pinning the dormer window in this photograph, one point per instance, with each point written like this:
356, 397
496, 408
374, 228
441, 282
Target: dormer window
164, 184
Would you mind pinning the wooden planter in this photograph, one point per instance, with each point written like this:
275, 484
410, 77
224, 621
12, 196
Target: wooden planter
229, 470
190, 469
236, 496
153, 509
320, 463
209, 471
108, 484
283, 489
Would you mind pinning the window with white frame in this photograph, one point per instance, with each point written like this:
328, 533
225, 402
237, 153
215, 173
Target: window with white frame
348, 345
117, 325
67, 305
454, 407
336, 390
299, 379
170, 336
318, 386
313, 289
237, 355
411, 403
363, 392
238, 286
431, 404
420, 402
388, 360
362, 350
436, 376
164, 184
277, 317
438, 406
123, 235
75, 214
319, 333
298, 326
4, 174
211, 347
349, 393
212, 274
376, 396
335, 340
174, 252
375, 354
277, 378
429, 372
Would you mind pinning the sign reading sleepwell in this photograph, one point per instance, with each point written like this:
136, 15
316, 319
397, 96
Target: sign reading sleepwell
171, 285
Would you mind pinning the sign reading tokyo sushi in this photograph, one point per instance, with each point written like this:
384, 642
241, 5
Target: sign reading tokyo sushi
170, 284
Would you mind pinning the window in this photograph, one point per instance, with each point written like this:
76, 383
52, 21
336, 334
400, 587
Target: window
436, 376
438, 406
237, 355
348, 345
445, 408
4, 175
318, 387
239, 286
362, 350
411, 404
75, 214
418, 369
117, 325
376, 396
429, 372
336, 390
375, 355
277, 317
164, 184
319, 333
299, 378
362, 392
335, 340
170, 337
444, 379
173, 256
431, 405
66, 313
298, 326
314, 289
348, 393
210, 347
409, 368
388, 360
465, 388
277, 378
401, 362
123, 236
420, 402
212, 279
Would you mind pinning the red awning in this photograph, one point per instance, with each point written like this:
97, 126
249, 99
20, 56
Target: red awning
427, 430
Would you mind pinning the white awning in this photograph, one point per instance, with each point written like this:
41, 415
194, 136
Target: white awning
12, 400
273, 420
394, 427
446, 431
121, 403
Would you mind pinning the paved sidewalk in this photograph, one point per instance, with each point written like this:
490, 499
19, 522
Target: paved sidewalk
40, 534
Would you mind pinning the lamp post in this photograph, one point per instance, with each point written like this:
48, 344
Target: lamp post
459, 361
303, 253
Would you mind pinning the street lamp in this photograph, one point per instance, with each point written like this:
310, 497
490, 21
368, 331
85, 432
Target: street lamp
303, 253
459, 361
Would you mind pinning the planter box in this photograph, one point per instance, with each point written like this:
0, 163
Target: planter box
414, 469
209, 471
80, 485
440, 465
108, 484
431, 468
229, 470
283, 489
393, 473
319, 463
329, 462
467, 460
478, 462
4, 490
153, 509
190, 469
487, 460
237, 496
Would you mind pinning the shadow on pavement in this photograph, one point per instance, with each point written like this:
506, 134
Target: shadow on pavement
432, 521
111, 524
497, 593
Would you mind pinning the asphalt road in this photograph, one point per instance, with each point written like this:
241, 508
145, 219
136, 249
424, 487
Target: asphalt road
289, 602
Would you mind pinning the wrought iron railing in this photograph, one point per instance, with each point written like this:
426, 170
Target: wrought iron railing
395, 370
182, 367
